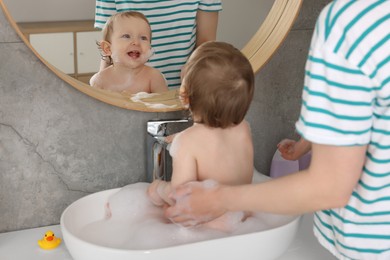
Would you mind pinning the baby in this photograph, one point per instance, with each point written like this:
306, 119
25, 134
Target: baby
217, 87
126, 46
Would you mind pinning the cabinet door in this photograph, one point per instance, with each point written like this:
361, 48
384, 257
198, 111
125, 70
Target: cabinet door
56, 48
88, 54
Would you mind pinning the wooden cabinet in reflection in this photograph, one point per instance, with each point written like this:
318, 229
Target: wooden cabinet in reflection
70, 45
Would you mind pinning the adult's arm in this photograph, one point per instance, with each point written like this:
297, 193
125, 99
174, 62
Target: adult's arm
328, 183
206, 27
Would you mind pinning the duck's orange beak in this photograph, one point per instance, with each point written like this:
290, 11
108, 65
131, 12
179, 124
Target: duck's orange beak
49, 238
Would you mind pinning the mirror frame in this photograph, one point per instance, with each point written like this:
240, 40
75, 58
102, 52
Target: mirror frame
258, 50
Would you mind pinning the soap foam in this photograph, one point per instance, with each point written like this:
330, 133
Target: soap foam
136, 224
137, 98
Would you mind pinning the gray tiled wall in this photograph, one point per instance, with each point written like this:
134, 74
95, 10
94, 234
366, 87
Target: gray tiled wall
57, 144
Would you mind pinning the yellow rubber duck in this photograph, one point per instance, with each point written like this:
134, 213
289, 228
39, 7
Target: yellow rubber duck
49, 241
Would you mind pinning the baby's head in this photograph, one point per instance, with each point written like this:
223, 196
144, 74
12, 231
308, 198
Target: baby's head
218, 85
125, 22
109, 27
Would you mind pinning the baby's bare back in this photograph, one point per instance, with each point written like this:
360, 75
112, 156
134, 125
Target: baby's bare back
227, 155
224, 155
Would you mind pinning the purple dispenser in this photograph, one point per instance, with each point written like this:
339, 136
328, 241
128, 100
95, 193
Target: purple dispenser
281, 167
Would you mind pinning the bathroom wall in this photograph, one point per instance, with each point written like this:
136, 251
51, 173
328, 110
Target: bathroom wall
57, 144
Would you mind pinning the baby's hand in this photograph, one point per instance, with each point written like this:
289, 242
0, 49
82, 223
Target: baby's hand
153, 194
287, 149
169, 138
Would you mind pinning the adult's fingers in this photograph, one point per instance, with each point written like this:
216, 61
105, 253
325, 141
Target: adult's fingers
185, 221
180, 191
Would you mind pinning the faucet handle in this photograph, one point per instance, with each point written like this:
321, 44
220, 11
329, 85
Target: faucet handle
158, 128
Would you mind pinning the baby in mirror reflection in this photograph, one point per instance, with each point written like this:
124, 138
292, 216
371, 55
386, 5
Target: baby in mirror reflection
217, 87
126, 47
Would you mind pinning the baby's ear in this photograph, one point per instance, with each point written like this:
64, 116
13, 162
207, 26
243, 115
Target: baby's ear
184, 97
106, 48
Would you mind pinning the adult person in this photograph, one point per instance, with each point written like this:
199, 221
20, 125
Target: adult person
345, 114
177, 28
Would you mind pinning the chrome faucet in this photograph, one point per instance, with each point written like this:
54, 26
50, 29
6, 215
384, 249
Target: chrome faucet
158, 159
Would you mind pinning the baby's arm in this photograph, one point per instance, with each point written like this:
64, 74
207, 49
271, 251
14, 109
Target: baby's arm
184, 162
206, 26
158, 83
184, 170
158, 192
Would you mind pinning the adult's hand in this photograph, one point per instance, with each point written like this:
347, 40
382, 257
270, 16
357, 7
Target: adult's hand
196, 203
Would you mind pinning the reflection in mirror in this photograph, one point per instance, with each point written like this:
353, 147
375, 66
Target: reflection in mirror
62, 34
65, 36
54, 16
178, 27
239, 21
125, 49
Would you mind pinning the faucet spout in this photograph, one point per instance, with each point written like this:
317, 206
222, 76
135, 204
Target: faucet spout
157, 148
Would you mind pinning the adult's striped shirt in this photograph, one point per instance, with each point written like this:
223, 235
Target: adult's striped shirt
346, 102
173, 25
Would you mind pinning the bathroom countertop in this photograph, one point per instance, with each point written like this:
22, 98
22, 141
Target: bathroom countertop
22, 244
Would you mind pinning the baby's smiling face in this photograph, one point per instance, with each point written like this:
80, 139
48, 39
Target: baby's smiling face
130, 42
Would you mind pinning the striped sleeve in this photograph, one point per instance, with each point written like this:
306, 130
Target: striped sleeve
210, 5
103, 10
338, 88
346, 102
336, 101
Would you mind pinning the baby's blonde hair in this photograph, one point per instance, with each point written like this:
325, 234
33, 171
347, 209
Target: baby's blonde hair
218, 84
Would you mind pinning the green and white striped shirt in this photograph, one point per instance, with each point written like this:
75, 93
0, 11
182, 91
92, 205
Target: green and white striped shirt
346, 102
173, 25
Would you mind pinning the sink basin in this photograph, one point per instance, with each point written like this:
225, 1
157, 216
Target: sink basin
270, 242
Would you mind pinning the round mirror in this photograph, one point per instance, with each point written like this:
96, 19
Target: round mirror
267, 23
